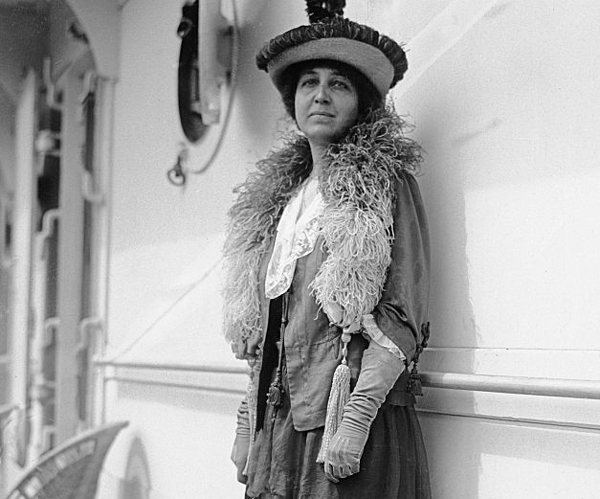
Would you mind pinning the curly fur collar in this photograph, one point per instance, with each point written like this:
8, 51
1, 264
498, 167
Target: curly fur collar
358, 187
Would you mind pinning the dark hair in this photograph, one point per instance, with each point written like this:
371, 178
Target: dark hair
369, 98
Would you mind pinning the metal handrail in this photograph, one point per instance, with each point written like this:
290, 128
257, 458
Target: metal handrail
518, 385
154, 366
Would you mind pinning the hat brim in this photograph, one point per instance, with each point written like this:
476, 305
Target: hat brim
369, 60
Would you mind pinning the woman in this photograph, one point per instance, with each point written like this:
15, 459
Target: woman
327, 278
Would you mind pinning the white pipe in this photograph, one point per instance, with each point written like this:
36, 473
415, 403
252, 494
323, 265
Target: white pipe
173, 367
520, 385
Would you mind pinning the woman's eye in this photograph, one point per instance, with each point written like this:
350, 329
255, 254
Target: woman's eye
308, 82
340, 84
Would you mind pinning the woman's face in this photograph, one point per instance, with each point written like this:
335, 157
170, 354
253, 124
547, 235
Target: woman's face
326, 104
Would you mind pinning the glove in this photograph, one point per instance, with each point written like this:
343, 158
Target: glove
241, 444
338, 316
380, 370
246, 349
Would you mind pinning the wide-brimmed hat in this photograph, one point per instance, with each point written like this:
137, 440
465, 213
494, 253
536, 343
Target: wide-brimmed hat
330, 36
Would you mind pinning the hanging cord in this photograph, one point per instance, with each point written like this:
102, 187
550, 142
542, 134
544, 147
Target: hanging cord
276, 391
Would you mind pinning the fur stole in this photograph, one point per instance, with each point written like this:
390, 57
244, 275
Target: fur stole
358, 185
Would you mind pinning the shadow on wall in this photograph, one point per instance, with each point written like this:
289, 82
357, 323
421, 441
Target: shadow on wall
136, 484
454, 464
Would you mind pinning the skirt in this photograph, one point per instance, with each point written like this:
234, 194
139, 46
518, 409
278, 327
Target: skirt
394, 465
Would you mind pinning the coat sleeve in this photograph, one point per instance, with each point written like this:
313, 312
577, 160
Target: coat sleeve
404, 303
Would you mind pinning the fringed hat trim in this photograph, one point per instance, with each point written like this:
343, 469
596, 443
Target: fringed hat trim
357, 45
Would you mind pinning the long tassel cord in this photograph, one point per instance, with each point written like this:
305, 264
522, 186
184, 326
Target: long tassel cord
276, 391
338, 398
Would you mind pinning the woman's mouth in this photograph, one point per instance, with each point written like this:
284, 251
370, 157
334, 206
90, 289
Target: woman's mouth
322, 113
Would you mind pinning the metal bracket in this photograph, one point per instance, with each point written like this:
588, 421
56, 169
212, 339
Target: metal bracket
176, 174
47, 228
84, 330
87, 189
51, 323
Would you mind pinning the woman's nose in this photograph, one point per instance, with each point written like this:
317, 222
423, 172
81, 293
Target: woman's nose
322, 94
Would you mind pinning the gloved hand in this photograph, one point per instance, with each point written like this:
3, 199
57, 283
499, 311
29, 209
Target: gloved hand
246, 349
380, 370
338, 316
241, 444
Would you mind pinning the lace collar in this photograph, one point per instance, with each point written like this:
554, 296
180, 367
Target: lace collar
297, 234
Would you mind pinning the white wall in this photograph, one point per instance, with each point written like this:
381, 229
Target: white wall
504, 96
508, 115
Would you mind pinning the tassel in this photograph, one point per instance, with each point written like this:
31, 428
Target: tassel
414, 385
275, 396
414, 382
276, 391
338, 398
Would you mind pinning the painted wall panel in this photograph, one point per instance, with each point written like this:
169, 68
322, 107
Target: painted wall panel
187, 438
492, 460
510, 179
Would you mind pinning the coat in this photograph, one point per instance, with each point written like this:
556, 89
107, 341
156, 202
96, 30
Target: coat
373, 258
313, 346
